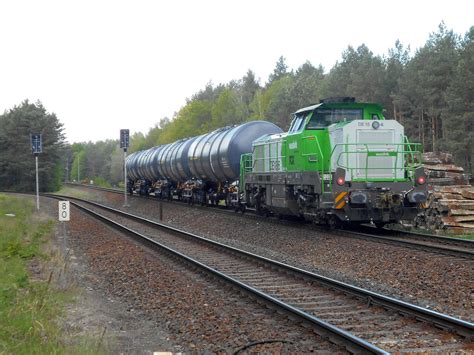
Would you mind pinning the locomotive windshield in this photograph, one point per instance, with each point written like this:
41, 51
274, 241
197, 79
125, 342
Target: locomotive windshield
298, 122
325, 117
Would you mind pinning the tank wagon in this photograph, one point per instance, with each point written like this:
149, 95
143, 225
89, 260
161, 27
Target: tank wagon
199, 169
339, 162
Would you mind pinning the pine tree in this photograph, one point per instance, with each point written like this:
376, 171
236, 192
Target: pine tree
17, 163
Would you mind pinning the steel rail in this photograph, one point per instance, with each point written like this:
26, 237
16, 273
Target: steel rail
463, 253
439, 249
338, 336
444, 321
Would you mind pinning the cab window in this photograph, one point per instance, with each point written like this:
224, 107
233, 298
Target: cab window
323, 118
298, 122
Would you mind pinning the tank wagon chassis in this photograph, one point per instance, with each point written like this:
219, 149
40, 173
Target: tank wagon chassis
200, 169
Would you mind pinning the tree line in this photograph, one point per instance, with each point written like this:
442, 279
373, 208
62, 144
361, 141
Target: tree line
430, 92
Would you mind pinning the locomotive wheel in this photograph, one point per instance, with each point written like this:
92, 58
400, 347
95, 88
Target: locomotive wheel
333, 222
380, 224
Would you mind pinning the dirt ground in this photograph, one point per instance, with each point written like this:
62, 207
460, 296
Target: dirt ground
95, 317
128, 300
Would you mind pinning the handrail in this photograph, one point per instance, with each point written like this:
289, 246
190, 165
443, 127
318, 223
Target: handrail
371, 150
411, 153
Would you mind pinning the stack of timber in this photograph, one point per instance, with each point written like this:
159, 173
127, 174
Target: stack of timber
441, 171
450, 204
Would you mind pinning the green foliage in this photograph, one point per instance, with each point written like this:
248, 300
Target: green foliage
27, 309
100, 181
431, 94
280, 71
17, 163
78, 163
227, 109
191, 120
277, 103
360, 74
423, 87
137, 142
459, 114
30, 309
94, 160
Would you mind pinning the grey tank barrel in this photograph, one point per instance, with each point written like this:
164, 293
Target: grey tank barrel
212, 157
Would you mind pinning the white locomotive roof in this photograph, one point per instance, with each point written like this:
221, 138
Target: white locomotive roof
309, 108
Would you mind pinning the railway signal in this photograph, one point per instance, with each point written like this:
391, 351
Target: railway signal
124, 144
124, 139
36, 149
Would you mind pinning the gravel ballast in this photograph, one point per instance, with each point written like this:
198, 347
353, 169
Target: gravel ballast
159, 304
441, 283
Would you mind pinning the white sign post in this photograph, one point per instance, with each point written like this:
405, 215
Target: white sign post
64, 211
64, 216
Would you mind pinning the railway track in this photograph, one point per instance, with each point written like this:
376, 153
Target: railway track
446, 246
362, 321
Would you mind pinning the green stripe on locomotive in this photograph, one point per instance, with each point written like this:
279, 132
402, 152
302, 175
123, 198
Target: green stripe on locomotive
306, 146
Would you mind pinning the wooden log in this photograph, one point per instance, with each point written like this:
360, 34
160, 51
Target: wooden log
468, 193
457, 204
455, 189
462, 218
461, 212
456, 178
445, 167
441, 181
450, 196
451, 222
467, 226
437, 158
461, 179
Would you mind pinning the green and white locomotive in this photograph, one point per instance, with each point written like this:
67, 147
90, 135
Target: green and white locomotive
340, 161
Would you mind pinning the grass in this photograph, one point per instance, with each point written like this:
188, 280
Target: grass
73, 192
30, 309
469, 236
100, 181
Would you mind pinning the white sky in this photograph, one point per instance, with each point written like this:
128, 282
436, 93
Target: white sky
106, 65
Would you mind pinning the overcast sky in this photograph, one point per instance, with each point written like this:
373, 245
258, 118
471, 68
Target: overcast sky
106, 65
